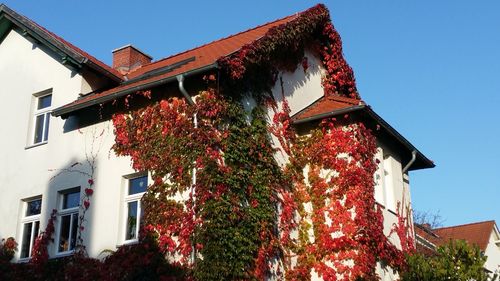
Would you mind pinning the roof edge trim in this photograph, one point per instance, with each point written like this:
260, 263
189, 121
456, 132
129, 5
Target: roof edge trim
400, 138
329, 114
63, 111
39, 34
379, 120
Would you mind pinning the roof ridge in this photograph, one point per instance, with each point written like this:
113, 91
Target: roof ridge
466, 224
219, 40
345, 99
351, 101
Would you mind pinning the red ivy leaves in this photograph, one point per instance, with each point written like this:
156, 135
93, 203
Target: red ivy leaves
340, 77
40, 254
8, 247
164, 139
331, 206
308, 29
327, 221
340, 232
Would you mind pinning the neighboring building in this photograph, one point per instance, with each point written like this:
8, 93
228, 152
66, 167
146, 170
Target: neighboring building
484, 235
425, 239
59, 102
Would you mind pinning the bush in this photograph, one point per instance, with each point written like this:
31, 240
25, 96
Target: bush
7, 249
137, 262
455, 261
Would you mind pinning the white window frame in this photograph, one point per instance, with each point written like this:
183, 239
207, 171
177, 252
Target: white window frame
379, 178
27, 220
46, 111
127, 198
74, 211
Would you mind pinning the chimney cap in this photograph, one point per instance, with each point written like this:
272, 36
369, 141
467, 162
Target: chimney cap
131, 46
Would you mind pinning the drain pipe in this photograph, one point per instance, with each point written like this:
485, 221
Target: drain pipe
413, 158
409, 209
180, 79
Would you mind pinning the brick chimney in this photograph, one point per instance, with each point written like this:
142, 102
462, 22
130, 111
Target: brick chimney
128, 58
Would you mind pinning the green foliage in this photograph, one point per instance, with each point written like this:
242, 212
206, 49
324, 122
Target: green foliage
238, 223
455, 261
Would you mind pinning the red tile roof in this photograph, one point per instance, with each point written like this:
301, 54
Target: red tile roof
330, 106
474, 233
426, 240
326, 105
427, 234
197, 58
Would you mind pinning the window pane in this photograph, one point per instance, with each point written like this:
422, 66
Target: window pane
44, 101
38, 128
37, 230
33, 207
64, 233
71, 200
26, 243
137, 185
46, 128
74, 227
131, 221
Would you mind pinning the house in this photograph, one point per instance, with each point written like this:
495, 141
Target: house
64, 152
426, 241
484, 235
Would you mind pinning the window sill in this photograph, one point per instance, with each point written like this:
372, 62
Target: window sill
63, 254
24, 260
128, 243
36, 144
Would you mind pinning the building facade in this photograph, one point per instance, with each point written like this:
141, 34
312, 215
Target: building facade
61, 136
484, 235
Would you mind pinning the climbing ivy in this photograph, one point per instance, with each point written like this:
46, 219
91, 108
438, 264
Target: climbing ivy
231, 219
221, 207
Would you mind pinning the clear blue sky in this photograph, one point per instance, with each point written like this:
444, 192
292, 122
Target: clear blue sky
430, 68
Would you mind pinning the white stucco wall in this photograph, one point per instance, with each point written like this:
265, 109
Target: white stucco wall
391, 185
493, 252
27, 69
301, 89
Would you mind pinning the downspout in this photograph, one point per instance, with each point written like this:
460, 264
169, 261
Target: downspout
410, 210
180, 79
413, 158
